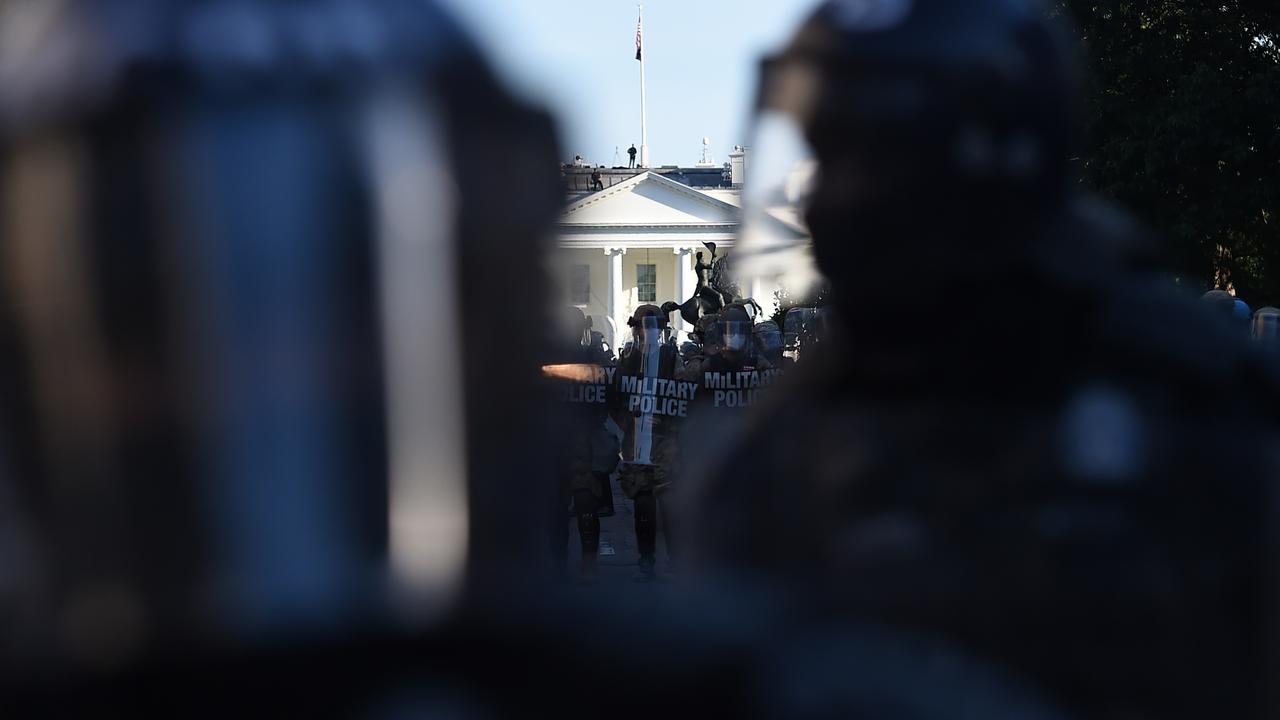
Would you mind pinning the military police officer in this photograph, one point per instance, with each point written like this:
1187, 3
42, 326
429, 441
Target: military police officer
731, 371
649, 408
1050, 495
589, 450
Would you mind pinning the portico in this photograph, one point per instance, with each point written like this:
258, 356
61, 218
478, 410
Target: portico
634, 243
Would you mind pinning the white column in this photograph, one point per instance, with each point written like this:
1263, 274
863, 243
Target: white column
686, 281
617, 302
690, 278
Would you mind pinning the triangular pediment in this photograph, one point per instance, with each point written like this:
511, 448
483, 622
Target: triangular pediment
649, 199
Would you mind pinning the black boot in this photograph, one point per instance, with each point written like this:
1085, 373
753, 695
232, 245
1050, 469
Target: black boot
605, 506
664, 512
646, 535
589, 531
558, 534
644, 569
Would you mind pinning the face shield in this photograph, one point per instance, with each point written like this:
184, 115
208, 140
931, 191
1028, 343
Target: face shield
648, 332
1266, 325
735, 335
779, 174
769, 341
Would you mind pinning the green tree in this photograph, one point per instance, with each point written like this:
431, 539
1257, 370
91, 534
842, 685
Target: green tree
1183, 128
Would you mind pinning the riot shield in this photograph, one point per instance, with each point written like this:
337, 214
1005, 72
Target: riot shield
648, 345
736, 335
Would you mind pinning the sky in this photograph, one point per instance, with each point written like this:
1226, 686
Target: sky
577, 59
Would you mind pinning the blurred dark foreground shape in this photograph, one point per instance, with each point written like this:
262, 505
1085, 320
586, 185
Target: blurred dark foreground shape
1023, 440
251, 279
272, 429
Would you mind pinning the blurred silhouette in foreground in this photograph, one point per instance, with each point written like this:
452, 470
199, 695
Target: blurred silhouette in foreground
587, 450
245, 245
1020, 441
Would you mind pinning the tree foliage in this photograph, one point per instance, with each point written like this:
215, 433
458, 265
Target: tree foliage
1183, 128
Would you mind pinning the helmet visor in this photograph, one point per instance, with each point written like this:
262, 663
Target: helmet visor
736, 335
1266, 326
769, 339
782, 170
648, 332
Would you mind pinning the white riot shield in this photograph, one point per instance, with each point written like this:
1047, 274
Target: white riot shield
649, 346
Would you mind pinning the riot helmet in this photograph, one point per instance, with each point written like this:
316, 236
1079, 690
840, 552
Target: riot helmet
705, 334
1228, 309
575, 326
1266, 325
769, 341
1221, 300
910, 118
1242, 310
987, 88
1242, 314
648, 325
736, 331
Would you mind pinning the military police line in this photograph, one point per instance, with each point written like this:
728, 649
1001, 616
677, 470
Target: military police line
632, 410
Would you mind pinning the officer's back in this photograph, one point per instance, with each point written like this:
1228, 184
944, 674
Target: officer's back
1021, 441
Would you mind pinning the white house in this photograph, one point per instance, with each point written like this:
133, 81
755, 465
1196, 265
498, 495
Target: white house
634, 243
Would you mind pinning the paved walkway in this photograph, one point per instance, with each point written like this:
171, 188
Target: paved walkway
618, 553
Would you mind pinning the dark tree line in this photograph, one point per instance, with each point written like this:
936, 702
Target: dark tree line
1183, 128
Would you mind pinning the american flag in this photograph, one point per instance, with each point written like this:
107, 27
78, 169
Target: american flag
639, 36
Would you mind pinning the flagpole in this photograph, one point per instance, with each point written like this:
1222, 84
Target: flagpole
644, 133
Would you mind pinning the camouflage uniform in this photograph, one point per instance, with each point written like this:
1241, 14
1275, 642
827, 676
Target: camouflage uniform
657, 475
591, 451
713, 362
649, 448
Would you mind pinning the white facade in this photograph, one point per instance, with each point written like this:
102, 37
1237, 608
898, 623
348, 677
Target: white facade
647, 226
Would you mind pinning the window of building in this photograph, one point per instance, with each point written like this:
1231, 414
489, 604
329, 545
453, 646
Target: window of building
647, 283
579, 284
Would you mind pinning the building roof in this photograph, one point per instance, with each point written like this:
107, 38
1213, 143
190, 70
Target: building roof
577, 178
662, 201
650, 209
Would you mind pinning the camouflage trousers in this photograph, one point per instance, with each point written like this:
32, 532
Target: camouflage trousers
657, 477
592, 452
